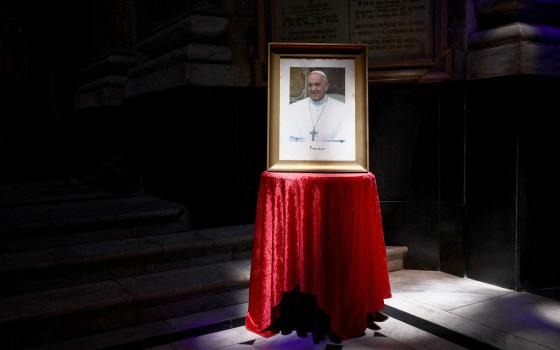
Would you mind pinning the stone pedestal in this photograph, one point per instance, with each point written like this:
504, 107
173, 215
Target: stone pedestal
513, 71
193, 51
191, 109
515, 37
144, 47
113, 36
105, 80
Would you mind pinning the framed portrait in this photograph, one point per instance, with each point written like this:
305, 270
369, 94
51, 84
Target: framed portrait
317, 107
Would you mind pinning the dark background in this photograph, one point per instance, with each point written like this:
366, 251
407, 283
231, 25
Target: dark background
465, 167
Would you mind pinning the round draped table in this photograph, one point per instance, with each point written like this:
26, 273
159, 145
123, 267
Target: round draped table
322, 233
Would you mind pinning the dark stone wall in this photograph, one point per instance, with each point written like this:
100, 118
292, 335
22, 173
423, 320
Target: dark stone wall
416, 152
511, 188
96, 149
35, 79
491, 186
465, 169
452, 178
204, 147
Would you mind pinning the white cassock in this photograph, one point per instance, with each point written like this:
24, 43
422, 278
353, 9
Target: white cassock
323, 130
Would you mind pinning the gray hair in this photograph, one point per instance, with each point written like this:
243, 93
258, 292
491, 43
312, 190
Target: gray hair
320, 73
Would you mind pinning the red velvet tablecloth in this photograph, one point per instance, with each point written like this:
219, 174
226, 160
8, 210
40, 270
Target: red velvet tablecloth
322, 232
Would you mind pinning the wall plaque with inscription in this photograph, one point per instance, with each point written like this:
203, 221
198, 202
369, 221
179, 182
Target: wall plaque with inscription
395, 30
310, 21
406, 39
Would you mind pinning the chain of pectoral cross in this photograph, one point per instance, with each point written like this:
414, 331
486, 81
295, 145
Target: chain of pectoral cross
314, 132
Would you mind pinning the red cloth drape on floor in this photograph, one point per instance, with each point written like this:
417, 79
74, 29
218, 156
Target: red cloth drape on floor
322, 232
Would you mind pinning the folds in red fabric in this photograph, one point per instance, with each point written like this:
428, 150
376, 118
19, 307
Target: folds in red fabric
323, 233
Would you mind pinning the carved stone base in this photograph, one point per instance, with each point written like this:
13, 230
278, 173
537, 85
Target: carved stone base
514, 49
108, 91
187, 73
104, 81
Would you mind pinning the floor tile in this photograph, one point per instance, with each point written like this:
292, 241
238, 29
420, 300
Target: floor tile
162, 347
448, 300
470, 328
216, 340
526, 315
381, 343
208, 317
442, 290
488, 314
289, 341
238, 347
414, 337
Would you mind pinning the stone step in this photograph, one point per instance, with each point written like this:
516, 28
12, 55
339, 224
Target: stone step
19, 194
178, 328
66, 313
94, 212
161, 332
218, 317
144, 309
395, 257
31, 271
68, 217
123, 230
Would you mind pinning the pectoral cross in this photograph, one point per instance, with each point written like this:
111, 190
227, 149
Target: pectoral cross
313, 134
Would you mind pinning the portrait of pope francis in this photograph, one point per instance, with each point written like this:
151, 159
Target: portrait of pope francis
319, 126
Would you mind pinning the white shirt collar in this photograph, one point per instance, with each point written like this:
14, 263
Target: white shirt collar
320, 102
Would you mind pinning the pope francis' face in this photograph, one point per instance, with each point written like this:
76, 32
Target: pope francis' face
317, 86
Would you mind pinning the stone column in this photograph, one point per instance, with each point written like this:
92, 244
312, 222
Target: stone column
113, 36
513, 74
198, 46
515, 37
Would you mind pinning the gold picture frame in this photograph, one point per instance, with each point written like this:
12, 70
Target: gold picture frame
310, 132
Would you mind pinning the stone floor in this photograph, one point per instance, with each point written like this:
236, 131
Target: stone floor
429, 310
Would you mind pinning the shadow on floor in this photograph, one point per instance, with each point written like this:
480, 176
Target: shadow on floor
299, 312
